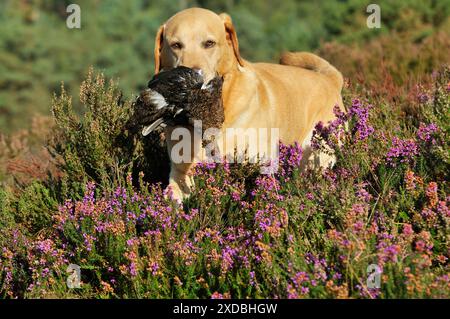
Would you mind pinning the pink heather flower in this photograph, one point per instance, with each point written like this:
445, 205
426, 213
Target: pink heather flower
216, 295
235, 196
8, 277
363, 194
427, 213
45, 272
420, 245
132, 241
300, 278
358, 209
358, 226
442, 209
292, 293
425, 132
191, 215
304, 290
267, 187
407, 229
391, 252
227, 258
271, 219
337, 276
365, 292
45, 246
432, 194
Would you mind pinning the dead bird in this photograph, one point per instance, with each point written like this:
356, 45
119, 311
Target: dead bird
178, 97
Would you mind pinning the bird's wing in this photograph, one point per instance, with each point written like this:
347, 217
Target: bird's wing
157, 99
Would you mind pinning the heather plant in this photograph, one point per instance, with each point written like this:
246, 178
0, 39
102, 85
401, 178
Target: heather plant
89, 146
55, 157
292, 234
100, 145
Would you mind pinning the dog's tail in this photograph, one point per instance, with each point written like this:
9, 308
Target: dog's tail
312, 62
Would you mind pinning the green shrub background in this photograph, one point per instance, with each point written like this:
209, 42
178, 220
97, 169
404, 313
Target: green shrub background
38, 51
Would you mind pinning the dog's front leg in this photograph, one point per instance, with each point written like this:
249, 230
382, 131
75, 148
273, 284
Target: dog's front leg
184, 147
180, 182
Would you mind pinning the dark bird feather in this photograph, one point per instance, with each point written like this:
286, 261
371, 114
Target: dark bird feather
178, 97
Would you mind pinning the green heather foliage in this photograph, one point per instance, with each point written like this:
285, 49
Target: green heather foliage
293, 234
98, 146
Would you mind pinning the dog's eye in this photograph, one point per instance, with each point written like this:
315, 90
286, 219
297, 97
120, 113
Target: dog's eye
209, 44
176, 45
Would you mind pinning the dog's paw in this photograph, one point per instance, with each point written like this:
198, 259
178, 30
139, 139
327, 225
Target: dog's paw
173, 192
177, 192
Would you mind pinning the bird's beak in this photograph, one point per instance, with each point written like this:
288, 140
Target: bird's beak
208, 84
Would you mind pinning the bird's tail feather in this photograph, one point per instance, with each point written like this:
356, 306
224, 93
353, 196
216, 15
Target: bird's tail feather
150, 128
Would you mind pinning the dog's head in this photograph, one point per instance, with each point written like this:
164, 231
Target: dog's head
199, 39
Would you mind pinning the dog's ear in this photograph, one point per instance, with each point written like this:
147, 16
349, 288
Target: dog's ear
231, 36
158, 47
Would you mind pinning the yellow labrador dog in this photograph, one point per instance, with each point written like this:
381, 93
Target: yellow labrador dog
292, 96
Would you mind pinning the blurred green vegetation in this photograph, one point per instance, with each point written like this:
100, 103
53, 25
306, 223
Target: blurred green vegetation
38, 51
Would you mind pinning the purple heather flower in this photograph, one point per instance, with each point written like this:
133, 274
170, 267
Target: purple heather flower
290, 157
402, 151
45, 246
363, 194
133, 269
362, 129
442, 209
252, 278
422, 97
425, 132
45, 272
390, 253
304, 290
154, 267
88, 241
